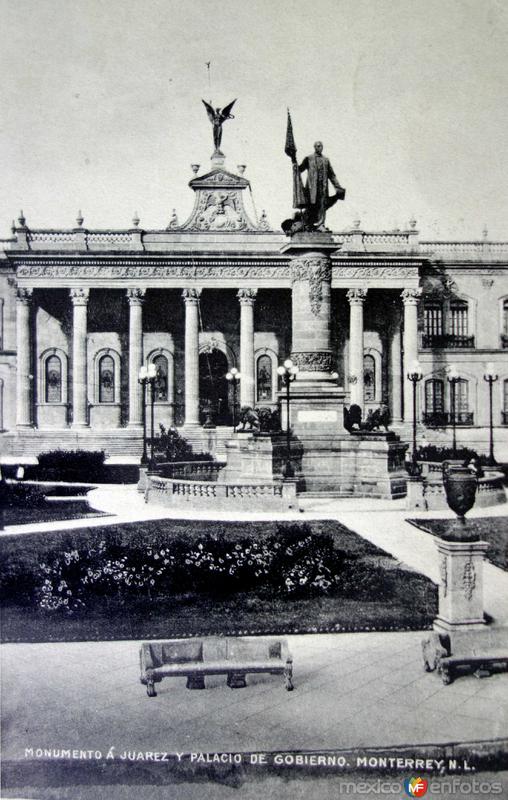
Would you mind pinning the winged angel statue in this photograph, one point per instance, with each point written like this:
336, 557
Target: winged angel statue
217, 117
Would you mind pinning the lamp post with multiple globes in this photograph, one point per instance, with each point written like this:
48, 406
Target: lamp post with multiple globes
288, 372
415, 376
233, 376
148, 377
453, 379
491, 377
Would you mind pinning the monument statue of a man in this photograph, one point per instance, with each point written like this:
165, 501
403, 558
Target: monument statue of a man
217, 117
319, 172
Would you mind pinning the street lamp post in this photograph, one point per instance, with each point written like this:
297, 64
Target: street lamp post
453, 379
288, 373
491, 377
233, 376
415, 377
142, 380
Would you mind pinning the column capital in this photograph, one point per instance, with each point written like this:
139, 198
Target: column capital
24, 294
410, 297
247, 297
136, 295
356, 296
79, 297
191, 296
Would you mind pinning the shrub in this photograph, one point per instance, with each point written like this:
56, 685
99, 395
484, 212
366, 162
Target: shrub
174, 447
432, 452
22, 495
71, 465
294, 563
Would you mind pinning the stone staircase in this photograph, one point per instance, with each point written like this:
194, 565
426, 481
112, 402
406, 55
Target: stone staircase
116, 443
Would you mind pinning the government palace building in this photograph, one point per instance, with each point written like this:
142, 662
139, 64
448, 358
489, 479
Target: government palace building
81, 311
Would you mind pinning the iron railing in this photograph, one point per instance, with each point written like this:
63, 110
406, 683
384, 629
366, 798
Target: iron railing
441, 419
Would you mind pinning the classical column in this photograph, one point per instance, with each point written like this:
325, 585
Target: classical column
410, 299
247, 298
135, 297
191, 298
23, 377
396, 372
311, 276
79, 298
356, 299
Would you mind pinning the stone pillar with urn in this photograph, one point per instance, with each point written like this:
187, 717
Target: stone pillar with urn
247, 298
356, 299
23, 372
135, 298
191, 299
79, 299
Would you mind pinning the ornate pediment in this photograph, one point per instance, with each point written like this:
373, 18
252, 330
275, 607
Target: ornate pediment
219, 203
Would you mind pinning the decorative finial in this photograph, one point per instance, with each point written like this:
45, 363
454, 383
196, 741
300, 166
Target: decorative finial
13, 227
412, 223
79, 219
173, 222
356, 223
485, 232
241, 168
135, 219
264, 225
21, 219
195, 167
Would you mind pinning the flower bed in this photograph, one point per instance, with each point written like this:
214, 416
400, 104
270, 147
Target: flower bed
173, 578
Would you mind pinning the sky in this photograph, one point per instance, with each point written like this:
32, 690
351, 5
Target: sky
101, 108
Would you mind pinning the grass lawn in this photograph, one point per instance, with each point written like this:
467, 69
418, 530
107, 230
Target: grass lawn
407, 600
51, 512
493, 530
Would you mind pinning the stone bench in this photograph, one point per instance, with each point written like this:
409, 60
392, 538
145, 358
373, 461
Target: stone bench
482, 664
474, 651
196, 658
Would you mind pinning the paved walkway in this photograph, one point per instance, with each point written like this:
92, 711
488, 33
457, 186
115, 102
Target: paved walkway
351, 689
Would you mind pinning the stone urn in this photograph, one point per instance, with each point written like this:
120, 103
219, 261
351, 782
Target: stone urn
460, 487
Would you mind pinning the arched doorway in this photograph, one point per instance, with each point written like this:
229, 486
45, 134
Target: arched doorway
213, 386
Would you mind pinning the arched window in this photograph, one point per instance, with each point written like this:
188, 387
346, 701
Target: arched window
434, 396
161, 382
106, 379
369, 379
462, 396
434, 402
53, 380
264, 379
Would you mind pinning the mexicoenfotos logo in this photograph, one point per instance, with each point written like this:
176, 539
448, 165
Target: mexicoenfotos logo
416, 787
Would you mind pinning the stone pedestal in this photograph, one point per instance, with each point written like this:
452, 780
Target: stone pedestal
460, 586
317, 402
253, 458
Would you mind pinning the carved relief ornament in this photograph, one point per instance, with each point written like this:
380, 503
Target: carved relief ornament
312, 361
469, 579
146, 271
315, 270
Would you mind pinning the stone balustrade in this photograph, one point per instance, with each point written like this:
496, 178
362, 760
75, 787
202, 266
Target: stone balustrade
274, 496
